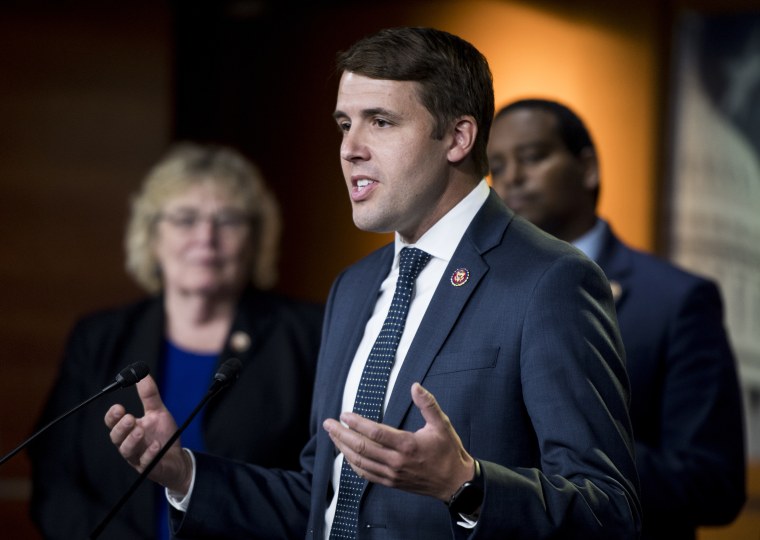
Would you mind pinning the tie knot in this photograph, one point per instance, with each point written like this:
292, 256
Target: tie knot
411, 262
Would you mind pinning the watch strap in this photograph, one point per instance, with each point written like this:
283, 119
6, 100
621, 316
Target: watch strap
469, 497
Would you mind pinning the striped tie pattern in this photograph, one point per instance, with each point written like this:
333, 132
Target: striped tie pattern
373, 384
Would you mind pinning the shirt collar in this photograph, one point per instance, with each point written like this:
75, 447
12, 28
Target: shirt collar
591, 242
442, 239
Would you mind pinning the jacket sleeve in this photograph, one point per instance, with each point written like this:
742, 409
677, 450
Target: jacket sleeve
697, 472
239, 500
575, 390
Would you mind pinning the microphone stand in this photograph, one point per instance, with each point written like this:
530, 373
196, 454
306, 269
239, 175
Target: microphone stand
215, 389
64, 415
126, 377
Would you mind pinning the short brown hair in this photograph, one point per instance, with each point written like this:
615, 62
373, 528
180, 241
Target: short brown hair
454, 76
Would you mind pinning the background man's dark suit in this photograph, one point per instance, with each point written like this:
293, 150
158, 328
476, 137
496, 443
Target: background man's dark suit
681, 370
527, 362
77, 481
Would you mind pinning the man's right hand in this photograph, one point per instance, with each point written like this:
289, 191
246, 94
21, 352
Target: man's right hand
140, 439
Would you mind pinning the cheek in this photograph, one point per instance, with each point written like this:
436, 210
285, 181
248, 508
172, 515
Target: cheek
414, 167
407, 152
549, 179
158, 250
238, 249
164, 250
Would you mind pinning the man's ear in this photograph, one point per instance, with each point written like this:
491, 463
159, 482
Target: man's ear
465, 132
590, 165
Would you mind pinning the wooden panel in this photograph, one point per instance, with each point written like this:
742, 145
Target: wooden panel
84, 99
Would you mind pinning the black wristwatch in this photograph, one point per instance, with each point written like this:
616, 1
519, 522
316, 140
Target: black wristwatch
469, 497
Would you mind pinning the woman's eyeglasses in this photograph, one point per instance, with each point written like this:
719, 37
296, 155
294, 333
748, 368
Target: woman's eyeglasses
222, 221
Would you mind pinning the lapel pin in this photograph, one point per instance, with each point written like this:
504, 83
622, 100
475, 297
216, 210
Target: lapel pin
240, 342
617, 290
460, 277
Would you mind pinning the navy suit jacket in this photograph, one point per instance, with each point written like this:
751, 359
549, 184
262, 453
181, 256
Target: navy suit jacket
686, 403
78, 475
526, 360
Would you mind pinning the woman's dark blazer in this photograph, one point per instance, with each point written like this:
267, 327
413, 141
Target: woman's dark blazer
78, 475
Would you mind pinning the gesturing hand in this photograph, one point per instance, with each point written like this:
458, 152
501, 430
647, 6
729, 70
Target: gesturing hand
431, 461
140, 439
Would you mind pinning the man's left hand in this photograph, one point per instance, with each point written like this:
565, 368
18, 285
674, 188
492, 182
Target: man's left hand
431, 461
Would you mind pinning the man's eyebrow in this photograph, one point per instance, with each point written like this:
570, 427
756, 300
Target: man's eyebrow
369, 113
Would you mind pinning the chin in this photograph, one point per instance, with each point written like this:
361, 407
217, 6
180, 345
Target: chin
204, 287
371, 223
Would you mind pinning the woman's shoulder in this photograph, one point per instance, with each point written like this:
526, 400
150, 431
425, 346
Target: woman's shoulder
282, 307
118, 315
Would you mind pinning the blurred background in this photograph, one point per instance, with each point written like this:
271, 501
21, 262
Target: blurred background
91, 94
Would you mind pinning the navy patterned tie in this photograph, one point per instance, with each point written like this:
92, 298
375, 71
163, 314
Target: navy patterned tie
371, 393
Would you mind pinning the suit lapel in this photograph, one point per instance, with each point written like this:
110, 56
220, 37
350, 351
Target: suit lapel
486, 231
254, 315
615, 261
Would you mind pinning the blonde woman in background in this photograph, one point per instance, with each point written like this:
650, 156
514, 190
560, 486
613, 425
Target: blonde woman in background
202, 240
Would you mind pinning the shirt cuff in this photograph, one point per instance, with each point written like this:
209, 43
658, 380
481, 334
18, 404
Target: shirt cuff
176, 499
468, 522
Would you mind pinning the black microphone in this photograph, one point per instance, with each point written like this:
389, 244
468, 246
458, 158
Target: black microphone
227, 373
126, 377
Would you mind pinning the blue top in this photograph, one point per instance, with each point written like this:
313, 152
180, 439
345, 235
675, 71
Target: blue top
186, 378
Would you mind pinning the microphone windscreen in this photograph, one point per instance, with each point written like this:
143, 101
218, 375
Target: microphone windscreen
132, 373
228, 371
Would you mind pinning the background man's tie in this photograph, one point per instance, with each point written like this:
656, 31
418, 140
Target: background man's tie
374, 382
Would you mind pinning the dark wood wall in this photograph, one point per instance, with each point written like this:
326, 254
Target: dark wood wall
85, 96
259, 76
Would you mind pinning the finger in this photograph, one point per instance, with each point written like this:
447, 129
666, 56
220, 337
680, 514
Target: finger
382, 435
147, 456
133, 447
361, 425
122, 429
428, 406
375, 451
149, 395
345, 438
365, 466
331, 425
113, 415
354, 447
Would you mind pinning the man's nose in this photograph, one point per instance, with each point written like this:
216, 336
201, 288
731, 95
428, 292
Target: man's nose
353, 147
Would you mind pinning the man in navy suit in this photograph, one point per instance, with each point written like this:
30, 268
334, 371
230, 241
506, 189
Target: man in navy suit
506, 411
685, 397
